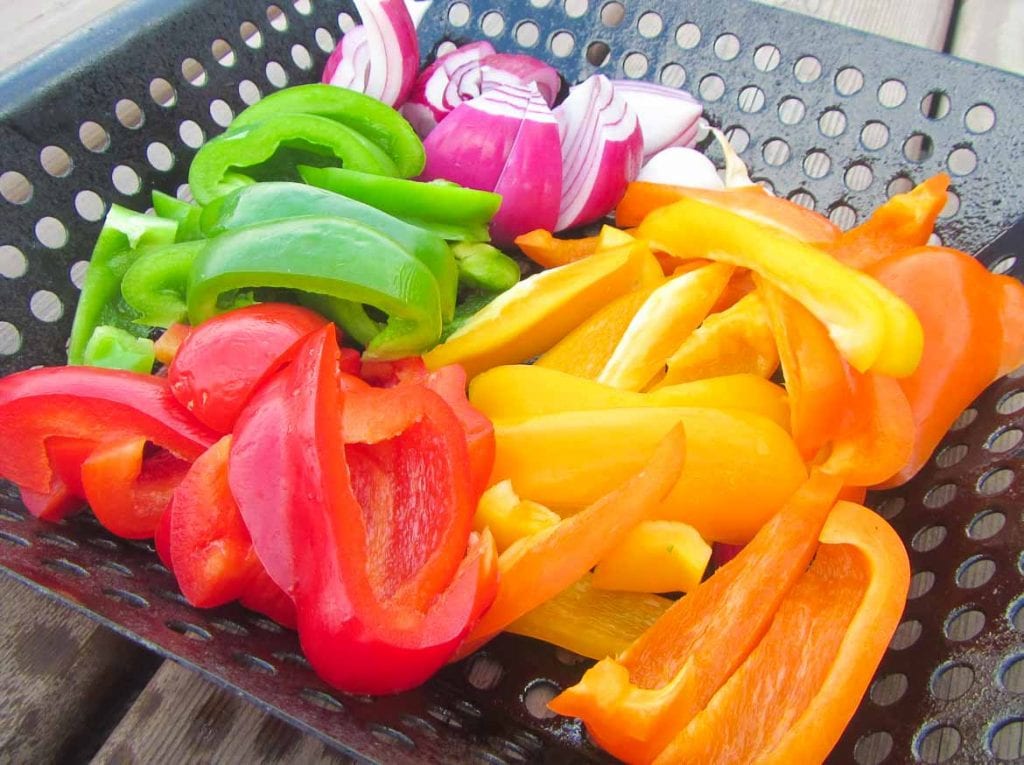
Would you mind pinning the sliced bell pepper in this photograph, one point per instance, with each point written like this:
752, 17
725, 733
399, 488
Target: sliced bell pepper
656, 556
224, 360
591, 622
532, 316
116, 348
185, 214
872, 328
814, 372
750, 202
670, 313
740, 467
518, 391
634, 705
844, 609
375, 120
89, 405
510, 518
336, 258
958, 303
127, 492
273, 201
484, 267
450, 211
736, 341
546, 250
271, 150
537, 568
904, 221
357, 501
1011, 317
166, 346
100, 302
156, 283
265, 597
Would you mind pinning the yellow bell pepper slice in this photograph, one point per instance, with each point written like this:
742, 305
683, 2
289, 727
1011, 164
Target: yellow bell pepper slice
740, 467
519, 391
656, 556
736, 340
591, 622
533, 315
666, 318
871, 331
510, 518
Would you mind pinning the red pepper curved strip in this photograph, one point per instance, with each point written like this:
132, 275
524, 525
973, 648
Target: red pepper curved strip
366, 619
89, 404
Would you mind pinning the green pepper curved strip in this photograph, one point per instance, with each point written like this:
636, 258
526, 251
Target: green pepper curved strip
270, 201
100, 302
484, 267
115, 348
186, 215
451, 211
270, 150
368, 116
155, 284
335, 257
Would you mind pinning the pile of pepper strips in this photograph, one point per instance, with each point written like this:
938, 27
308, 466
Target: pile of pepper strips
337, 493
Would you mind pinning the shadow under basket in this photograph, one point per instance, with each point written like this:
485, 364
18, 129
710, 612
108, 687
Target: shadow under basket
834, 119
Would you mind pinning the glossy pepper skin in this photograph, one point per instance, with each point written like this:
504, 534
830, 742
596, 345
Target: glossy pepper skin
156, 283
335, 259
381, 604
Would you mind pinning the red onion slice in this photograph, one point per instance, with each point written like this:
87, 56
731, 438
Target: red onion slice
425, 106
602, 149
668, 117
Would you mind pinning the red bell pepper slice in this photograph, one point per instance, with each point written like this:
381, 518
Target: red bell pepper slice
374, 555
41, 407
264, 596
222, 361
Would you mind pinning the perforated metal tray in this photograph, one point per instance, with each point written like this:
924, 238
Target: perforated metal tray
833, 118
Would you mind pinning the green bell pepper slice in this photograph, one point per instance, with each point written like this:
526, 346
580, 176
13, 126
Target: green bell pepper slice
115, 348
186, 215
100, 302
270, 201
482, 266
156, 283
271, 149
368, 116
451, 211
337, 258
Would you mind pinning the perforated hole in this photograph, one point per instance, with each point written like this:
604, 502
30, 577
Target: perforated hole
126, 180
980, 118
249, 92
776, 151
995, 482
727, 47
13, 262
804, 198
575, 9
962, 161
162, 93
10, 339
892, 93
791, 110
194, 73
1007, 740
975, 572
124, 596
951, 680
650, 25
322, 700
937, 743
159, 156
305, 7
711, 88
873, 748
949, 456
324, 39
221, 112
767, 58
612, 14
1004, 266
1015, 614
301, 57
94, 137
290, 657
492, 23
223, 53
51, 233
276, 75
345, 22
858, 177
527, 35
928, 538
634, 65
672, 76
277, 18
952, 205
965, 418
15, 187
751, 99
935, 105
484, 672
6, 536
738, 137
64, 566
1011, 402
964, 624
843, 216
389, 735
254, 662
889, 689
906, 635
874, 135
419, 725
56, 161
562, 43
229, 626
920, 584
890, 507
46, 306
849, 80
986, 524
251, 34
1004, 439
832, 122
536, 696
940, 496
189, 630
1011, 675
807, 69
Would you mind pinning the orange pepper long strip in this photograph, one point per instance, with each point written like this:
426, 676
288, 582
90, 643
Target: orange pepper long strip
545, 250
539, 567
1011, 315
634, 705
815, 662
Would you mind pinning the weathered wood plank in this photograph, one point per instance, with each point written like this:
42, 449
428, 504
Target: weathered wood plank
919, 22
29, 27
64, 680
992, 32
182, 718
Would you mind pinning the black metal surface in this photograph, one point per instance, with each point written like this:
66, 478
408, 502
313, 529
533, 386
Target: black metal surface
485, 708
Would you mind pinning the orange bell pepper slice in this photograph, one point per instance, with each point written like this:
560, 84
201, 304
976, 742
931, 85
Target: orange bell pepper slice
634, 705
905, 221
958, 302
539, 567
656, 556
166, 346
1011, 316
751, 202
740, 467
817, 658
510, 518
814, 372
546, 250
871, 327
736, 341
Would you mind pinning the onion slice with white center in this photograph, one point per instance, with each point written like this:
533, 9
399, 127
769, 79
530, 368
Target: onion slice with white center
668, 117
602, 149
681, 166
507, 141
426, 105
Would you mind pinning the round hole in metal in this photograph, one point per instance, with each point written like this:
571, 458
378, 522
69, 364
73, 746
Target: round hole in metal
873, 748
889, 689
1006, 742
13, 262
767, 58
1011, 674
612, 14
791, 110
527, 35
711, 88
807, 69
15, 187
727, 46
635, 65
948, 456
458, 14
94, 137
892, 93
849, 81
672, 76
920, 584
980, 118
964, 624
935, 105
937, 743
874, 135
492, 23
986, 524
223, 53
650, 25
995, 482
951, 680
51, 233
162, 93
56, 161
535, 698
562, 43
962, 161
928, 538
906, 635
776, 151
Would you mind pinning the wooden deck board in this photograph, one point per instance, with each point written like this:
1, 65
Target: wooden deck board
991, 32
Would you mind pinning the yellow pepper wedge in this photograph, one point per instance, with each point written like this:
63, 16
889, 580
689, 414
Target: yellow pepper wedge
519, 391
656, 556
510, 518
533, 315
740, 467
736, 340
666, 318
591, 622
871, 329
